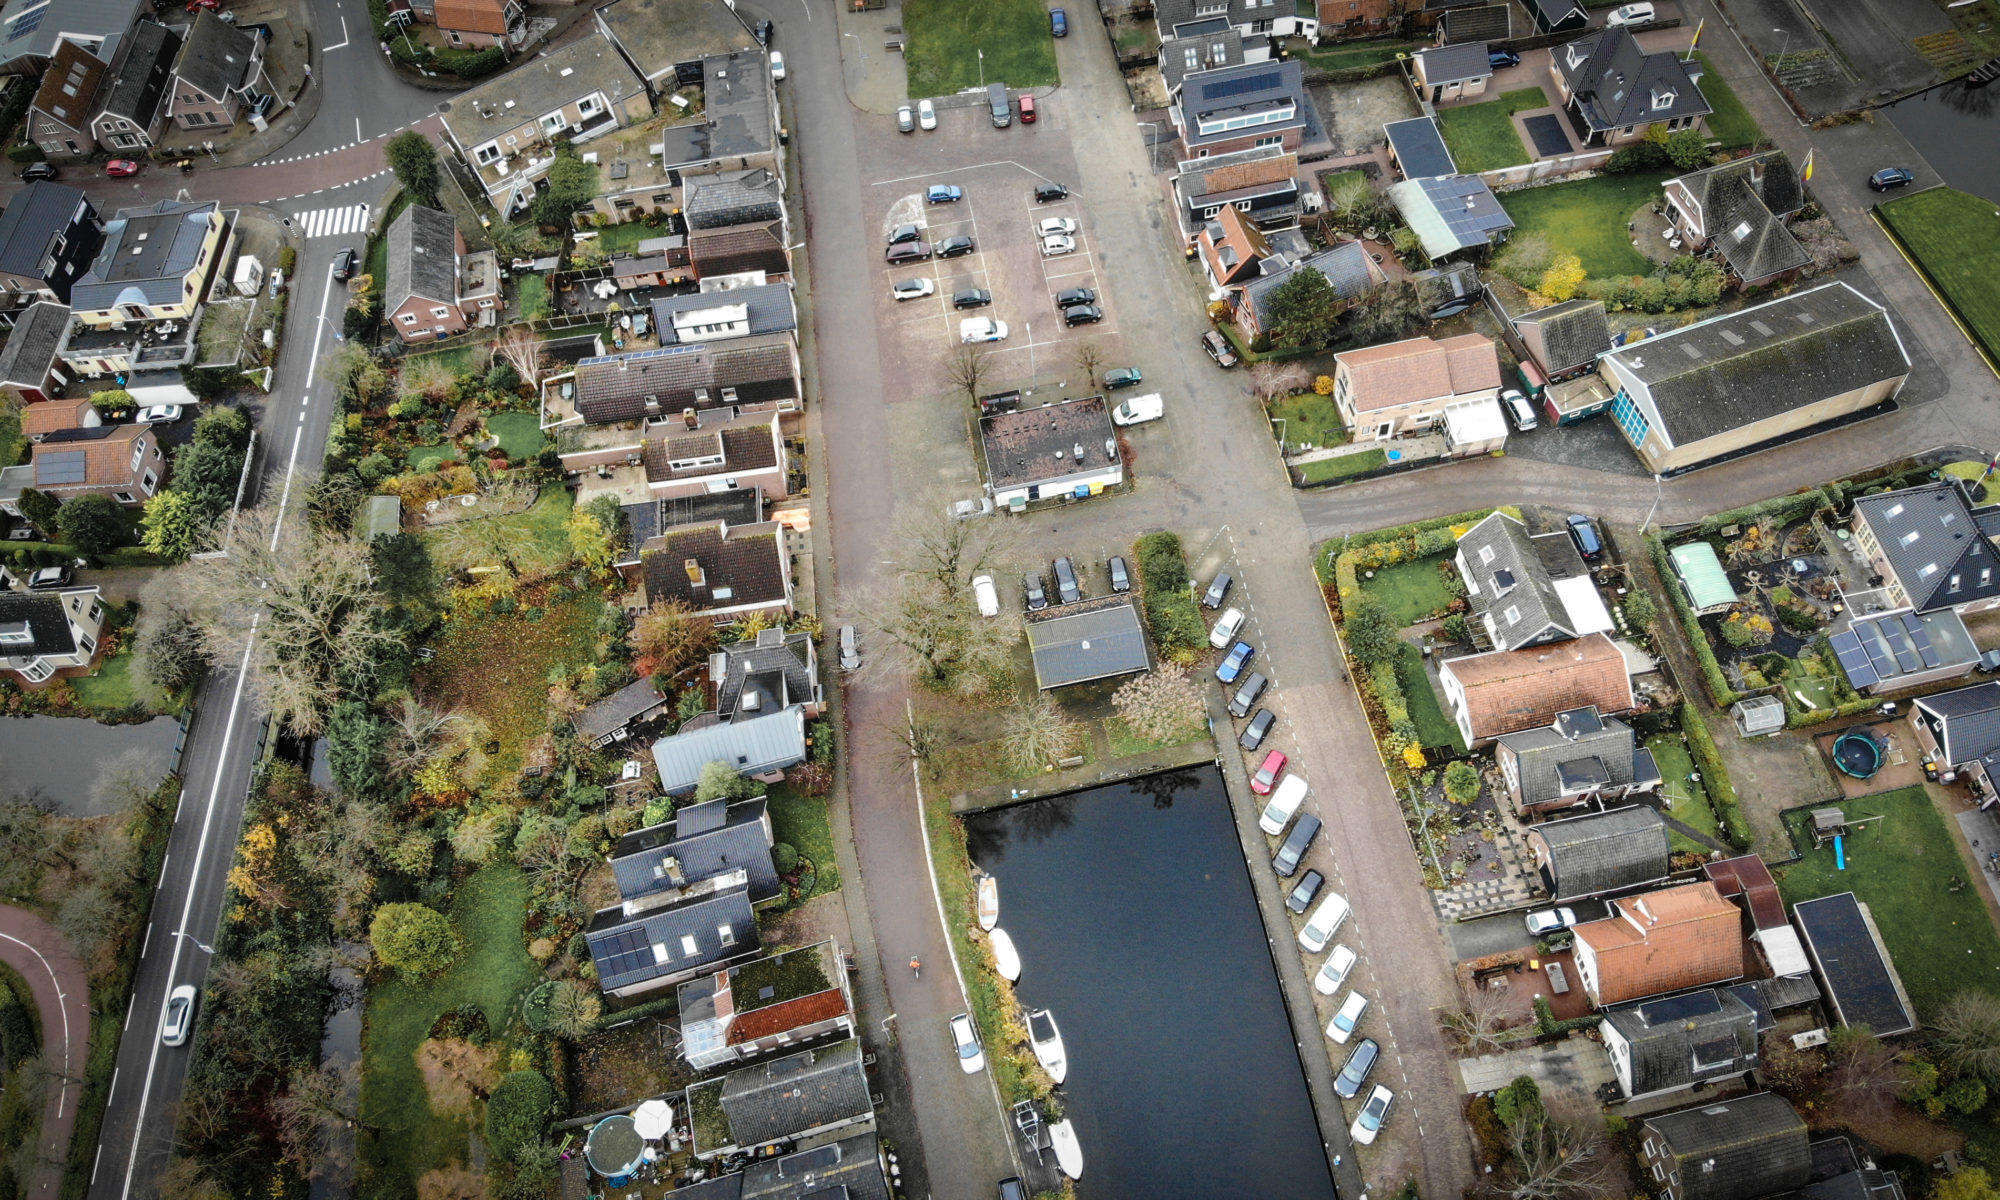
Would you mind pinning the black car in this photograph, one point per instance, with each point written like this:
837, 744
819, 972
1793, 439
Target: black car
906, 233
971, 298
1297, 842
908, 252
1045, 192
1066, 590
1011, 1188
1305, 891
1218, 348
1071, 297
954, 246
1496, 59
343, 264
1121, 579
1246, 695
1584, 534
999, 402
1354, 1072
1038, 599
1891, 177
1082, 314
38, 170
1217, 589
764, 32
1258, 729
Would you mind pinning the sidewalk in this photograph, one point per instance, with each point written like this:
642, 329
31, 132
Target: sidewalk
876, 80
61, 990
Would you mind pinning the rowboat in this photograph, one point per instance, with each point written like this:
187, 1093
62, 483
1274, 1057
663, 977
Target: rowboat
1005, 957
989, 902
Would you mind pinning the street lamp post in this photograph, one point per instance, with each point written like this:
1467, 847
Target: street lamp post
1659, 490
1029, 332
1782, 47
982, 68
200, 945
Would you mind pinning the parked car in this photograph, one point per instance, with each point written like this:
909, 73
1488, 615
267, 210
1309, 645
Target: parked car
1584, 534
49, 577
1046, 192
1082, 314
1344, 1022
1325, 921
906, 121
1373, 1113
998, 110
907, 252
777, 66
1518, 410
121, 168
1232, 664
1139, 409
1056, 244
1631, 14
965, 1039
1218, 587
1122, 377
1284, 802
765, 31
1295, 845
1246, 695
1218, 348
988, 597
1027, 104
1549, 920
178, 1020
38, 170
1498, 59
1011, 1188
154, 414
1267, 773
926, 114
1121, 578
850, 649
1051, 225
1071, 297
1333, 973
964, 510
1301, 896
999, 402
1225, 628
981, 329
343, 263
1067, 592
955, 245
906, 233
1058, 22
1258, 729
1031, 586
1989, 662
1354, 1072
971, 298
943, 193
912, 289
1891, 177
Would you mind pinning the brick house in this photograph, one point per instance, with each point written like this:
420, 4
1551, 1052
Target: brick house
45, 634
1261, 183
1231, 248
481, 24
1740, 209
1244, 107
1403, 387
130, 106
59, 115
1579, 758
1613, 92
218, 66
434, 289
1658, 942
1731, 1149
123, 462
1504, 691
723, 571
1342, 19
1601, 853
758, 247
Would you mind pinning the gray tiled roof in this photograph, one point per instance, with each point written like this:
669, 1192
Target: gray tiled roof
623, 949
794, 1095
217, 57
41, 615
1487, 23
73, 18
770, 309
1742, 367
147, 255
1551, 13
769, 743
1345, 267
31, 344
1615, 83
1517, 578
737, 838
1247, 86
1969, 718
615, 387
1174, 54
1573, 333
423, 258
720, 199
34, 218
849, 1169
1543, 752
1736, 1149
1742, 206
1455, 64
777, 666
140, 77
617, 709
1605, 852
1682, 1040
1933, 543
741, 566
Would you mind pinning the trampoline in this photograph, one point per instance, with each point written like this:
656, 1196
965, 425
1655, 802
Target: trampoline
1858, 753
1547, 132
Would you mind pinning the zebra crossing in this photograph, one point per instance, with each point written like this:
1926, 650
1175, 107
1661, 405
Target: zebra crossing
334, 222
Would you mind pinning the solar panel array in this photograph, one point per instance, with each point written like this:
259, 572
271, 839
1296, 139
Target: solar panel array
1884, 648
1680, 1008
59, 467
1242, 85
640, 355
623, 952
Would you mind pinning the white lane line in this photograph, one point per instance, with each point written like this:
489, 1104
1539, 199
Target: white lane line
357, 130
70, 1079
343, 36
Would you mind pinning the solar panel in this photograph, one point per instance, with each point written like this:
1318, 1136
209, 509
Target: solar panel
1899, 643
638, 355
1242, 85
622, 952
1853, 659
59, 466
1679, 1008
1921, 639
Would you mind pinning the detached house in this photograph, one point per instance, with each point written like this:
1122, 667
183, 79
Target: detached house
1742, 1148
1256, 20
1579, 758
762, 748
696, 928
1564, 340
154, 265
1660, 942
44, 634
1527, 589
1444, 73
1614, 92
1740, 208
701, 842
1672, 1044
434, 290
773, 672
813, 1094
765, 1006
28, 368
481, 24
1932, 549
218, 68
1403, 387
123, 462
1246, 106
1503, 691
131, 104
720, 570
1959, 731
48, 239
1600, 853
59, 115
1346, 267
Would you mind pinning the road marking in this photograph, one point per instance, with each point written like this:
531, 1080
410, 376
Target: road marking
98, 1161
69, 1076
357, 132
334, 222
148, 943
343, 36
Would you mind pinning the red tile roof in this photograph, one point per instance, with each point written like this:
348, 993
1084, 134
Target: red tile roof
1513, 690
792, 1014
1419, 369
1665, 941
472, 16
40, 420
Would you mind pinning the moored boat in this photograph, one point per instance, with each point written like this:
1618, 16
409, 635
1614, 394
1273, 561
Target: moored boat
1069, 1154
1047, 1042
1005, 957
989, 902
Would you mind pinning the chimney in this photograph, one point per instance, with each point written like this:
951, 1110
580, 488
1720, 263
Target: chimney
696, 579
671, 866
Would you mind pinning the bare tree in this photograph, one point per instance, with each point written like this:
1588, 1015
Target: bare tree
456, 1073
521, 350
1039, 732
1562, 1154
1863, 1074
187, 1178
483, 831
1271, 380
943, 643
315, 1111
1161, 705
947, 550
1088, 355
1479, 1020
418, 732
427, 376
1966, 1033
967, 367
452, 1183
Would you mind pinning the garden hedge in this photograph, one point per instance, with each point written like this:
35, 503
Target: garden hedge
1711, 671
1714, 776
1340, 561
1171, 611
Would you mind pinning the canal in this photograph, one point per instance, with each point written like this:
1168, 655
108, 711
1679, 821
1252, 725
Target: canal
1956, 130
1132, 910
66, 758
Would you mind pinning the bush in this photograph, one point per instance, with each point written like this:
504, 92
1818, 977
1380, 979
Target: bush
518, 1112
1714, 776
1461, 782
413, 938
785, 857
1371, 635
1171, 612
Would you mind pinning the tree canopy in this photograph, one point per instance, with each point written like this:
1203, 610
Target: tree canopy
1303, 311
93, 524
415, 162
413, 938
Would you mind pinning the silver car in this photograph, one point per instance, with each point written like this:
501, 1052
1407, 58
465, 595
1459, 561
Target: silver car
179, 1019
905, 120
965, 1039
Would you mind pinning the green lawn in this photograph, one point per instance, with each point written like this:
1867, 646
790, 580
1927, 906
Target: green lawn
1481, 137
1901, 866
1309, 418
1690, 800
1124, 742
12, 444
802, 822
458, 360
944, 41
424, 458
492, 971
1434, 727
533, 293
1587, 218
1347, 466
520, 433
1730, 122
1341, 58
612, 239
1408, 591
497, 666
1955, 237
115, 685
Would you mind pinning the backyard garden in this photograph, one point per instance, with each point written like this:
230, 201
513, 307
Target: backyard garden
1481, 137
1589, 218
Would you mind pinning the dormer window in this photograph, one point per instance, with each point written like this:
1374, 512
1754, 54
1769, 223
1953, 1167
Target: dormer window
1664, 97
1574, 56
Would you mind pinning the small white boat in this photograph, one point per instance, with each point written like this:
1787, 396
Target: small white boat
989, 902
1048, 1044
1069, 1155
1005, 957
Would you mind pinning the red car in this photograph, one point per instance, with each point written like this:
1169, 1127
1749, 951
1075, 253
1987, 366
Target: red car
1267, 775
119, 168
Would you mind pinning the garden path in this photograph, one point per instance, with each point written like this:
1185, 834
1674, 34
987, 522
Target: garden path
61, 991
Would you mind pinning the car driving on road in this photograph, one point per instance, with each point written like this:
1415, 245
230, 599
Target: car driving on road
179, 1019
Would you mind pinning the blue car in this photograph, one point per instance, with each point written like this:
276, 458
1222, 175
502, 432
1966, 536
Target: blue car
1059, 22
944, 193
1239, 657
1496, 59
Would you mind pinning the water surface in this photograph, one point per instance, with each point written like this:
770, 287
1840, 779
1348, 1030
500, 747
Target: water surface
68, 759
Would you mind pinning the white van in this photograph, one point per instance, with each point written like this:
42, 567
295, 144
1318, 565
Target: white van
982, 591
1290, 794
1324, 923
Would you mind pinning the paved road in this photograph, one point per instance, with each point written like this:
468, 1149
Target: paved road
60, 990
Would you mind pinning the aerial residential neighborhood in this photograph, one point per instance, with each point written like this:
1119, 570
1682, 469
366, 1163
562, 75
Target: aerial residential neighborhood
898, 598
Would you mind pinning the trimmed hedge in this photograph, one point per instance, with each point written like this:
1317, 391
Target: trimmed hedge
1340, 561
1171, 611
1714, 776
1546, 1023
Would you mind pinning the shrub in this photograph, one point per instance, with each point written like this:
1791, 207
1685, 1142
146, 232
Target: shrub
785, 857
1456, 628
1461, 782
1171, 612
1640, 610
518, 1111
413, 938
1371, 635
1714, 776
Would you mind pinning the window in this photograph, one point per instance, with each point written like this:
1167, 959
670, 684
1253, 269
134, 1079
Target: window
1193, 58
1954, 583
407, 318
1211, 211
487, 154
589, 106
1630, 421
150, 481
96, 610
1276, 139
440, 312
1664, 97
553, 123
37, 671
88, 643
1659, 1172
1485, 555
687, 945
726, 935
1512, 615
122, 497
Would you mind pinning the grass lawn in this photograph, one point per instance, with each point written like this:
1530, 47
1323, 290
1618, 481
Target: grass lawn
1731, 123
458, 360
802, 822
493, 971
1309, 418
376, 262
425, 458
983, 764
1434, 728
533, 293
1408, 591
1690, 800
498, 667
1955, 237
1325, 470
612, 239
1124, 742
1481, 137
1587, 218
1900, 867
520, 433
1352, 56
115, 685
12, 444
945, 38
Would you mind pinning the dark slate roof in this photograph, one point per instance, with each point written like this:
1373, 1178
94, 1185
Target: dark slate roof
1487, 23
1743, 204
736, 88
1419, 148
31, 344
1345, 266
1573, 333
707, 840
770, 309
750, 447
1861, 985
41, 618
649, 518
768, 743
1551, 13
618, 709
630, 951
623, 387
746, 563
1742, 367
1446, 284
1175, 65
1456, 63
69, 87
168, 237
217, 56
1686, 1039
1246, 87
1768, 178
73, 18
423, 258
38, 214
1737, 1149
849, 1169
1102, 640
1605, 852
1615, 83
1516, 576
1968, 719
1546, 753
777, 668
1037, 445
725, 198
140, 77
1933, 542
794, 1095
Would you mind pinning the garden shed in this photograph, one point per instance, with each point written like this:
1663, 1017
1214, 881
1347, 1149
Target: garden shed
1756, 716
1701, 574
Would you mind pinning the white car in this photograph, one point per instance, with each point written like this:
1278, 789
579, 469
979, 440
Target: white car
1139, 409
1550, 920
982, 329
1631, 14
926, 114
1226, 628
1333, 973
965, 1039
1058, 243
1049, 225
777, 65
913, 289
1373, 1113
1348, 1018
158, 412
179, 1019
1290, 794
1324, 923
982, 591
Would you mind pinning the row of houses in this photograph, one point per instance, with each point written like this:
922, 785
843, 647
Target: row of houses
119, 95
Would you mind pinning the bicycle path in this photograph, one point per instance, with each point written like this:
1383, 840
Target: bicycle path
61, 990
